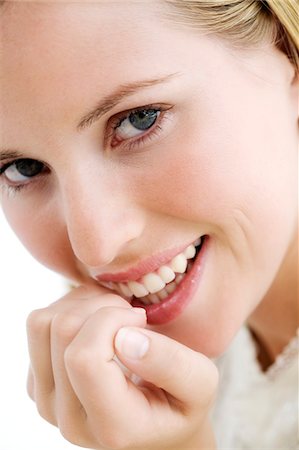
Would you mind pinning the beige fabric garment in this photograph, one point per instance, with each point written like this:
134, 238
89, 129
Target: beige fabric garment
256, 410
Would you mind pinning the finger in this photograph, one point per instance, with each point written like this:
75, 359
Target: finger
96, 378
39, 341
38, 335
69, 413
189, 376
30, 383
65, 325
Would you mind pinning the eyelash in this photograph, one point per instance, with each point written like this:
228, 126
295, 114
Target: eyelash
133, 144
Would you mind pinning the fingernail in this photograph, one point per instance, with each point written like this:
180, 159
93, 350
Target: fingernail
140, 311
131, 343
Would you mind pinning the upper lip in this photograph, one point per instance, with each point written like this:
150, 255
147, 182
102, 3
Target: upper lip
145, 266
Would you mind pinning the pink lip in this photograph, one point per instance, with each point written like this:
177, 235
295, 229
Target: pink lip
147, 265
170, 308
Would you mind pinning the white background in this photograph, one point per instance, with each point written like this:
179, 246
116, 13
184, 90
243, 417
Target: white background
24, 285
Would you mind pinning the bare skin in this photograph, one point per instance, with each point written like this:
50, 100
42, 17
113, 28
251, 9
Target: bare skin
223, 165
280, 305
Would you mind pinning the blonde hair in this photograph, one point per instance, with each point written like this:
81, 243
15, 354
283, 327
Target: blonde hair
243, 22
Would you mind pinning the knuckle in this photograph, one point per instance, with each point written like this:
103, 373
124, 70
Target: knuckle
37, 322
119, 301
176, 358
113, 440
110, 313
210, 381
107, 313
65, 325
84, 292
104, 295
67, 433
79, 360
70, 431
30, 385
115, 300
45, 410
213, 380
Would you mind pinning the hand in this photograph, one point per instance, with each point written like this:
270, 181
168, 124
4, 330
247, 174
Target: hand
79, 387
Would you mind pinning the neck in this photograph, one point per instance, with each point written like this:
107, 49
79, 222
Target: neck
275, 320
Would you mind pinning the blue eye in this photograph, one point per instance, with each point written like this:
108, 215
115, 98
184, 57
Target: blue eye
130, 130
22, 170
136, 123
135, 128
143, 119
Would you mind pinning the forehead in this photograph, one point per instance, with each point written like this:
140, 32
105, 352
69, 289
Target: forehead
56, 56
52, 48
61, 24
45, 41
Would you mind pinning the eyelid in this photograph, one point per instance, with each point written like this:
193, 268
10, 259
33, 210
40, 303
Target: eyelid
30, 180
4, 166
117, 119
152, 133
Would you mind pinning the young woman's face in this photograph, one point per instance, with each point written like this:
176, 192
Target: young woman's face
212, 152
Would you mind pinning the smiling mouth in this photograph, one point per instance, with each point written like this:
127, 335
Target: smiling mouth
154, 287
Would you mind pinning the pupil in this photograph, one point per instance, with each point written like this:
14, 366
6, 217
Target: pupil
29, 167
143, 120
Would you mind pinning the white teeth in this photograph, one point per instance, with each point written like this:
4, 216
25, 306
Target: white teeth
179, 263
118, 290
146, 300
137, 288
179, 278
166, 274
197, 242
108, 284
171, 287
153, 282
162, 294
190, 252
125, 290
154, 298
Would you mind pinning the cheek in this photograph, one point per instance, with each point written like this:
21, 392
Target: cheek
224, 185
185, 181
43, 235
220, 179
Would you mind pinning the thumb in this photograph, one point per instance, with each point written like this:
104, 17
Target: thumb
187, 375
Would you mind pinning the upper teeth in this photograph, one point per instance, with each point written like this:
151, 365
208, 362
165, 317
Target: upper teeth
155, 281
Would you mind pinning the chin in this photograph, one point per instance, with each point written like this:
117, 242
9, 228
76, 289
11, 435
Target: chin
210, 340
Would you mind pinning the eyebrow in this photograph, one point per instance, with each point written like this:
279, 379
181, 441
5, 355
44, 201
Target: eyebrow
4, 5
7, 154
121, 93
104, 106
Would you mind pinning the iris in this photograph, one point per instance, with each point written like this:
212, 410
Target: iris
144, 119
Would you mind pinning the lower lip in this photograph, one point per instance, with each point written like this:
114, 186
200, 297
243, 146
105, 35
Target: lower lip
170, 308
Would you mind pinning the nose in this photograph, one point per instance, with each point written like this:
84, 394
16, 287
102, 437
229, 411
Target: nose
100, 218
